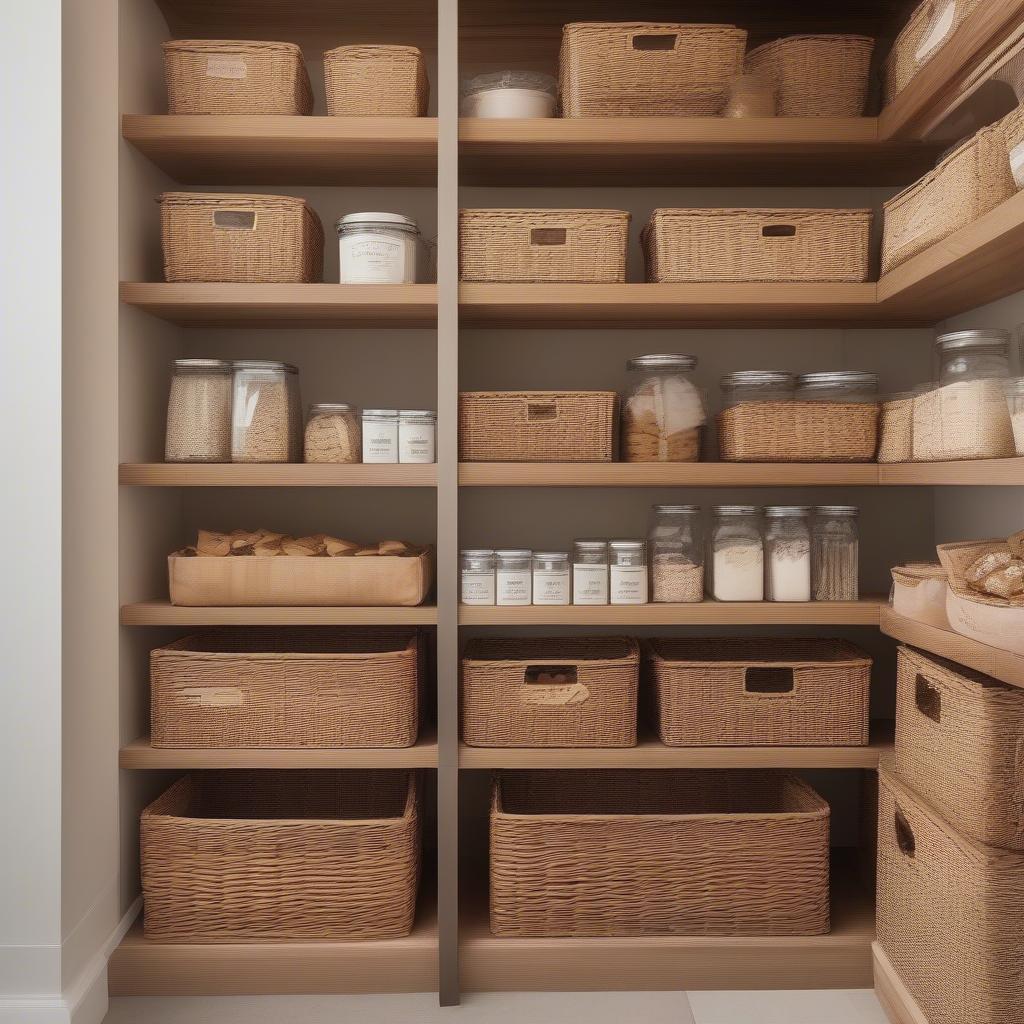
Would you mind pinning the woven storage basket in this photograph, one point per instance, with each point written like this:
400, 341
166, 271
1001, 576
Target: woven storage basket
750, 692
231, 76
919, 593
644, 69
562, 692
537, 426
896, 430
665, 852
816, 75
798, 432
240, 238
286, 688
950, 913
376, 81
757, 245
584, 246
248, 856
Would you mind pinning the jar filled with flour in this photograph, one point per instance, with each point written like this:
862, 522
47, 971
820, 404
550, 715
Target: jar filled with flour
378, 248
664, 412
737, 554
787, 552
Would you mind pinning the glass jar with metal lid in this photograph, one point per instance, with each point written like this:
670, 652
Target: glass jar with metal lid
590, 572
380, 435
676, 542
513, 576
266, 422
973, 355
737, 553
378, 248
199, 411
332, 433
551, 577
787, 552
664, 411
627, 572
845, 386
757, 386
835, 553
476, 576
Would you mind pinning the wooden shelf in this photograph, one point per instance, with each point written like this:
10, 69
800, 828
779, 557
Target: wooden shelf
163, 474
978, 473
899, 1005
162, 613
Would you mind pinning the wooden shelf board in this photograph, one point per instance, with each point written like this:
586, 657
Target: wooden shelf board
977, 473
899, 1005
165, 474
162, 613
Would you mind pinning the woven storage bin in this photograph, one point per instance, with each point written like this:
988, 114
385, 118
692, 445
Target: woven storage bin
645, 69
798, 432
286, 688
583, 246
896, 430
817, 75
757, 245
240, 238
665, 852
376, 81
919, 593
248, 856
750, 692
537, 426
232, 76
950, 913
562, 692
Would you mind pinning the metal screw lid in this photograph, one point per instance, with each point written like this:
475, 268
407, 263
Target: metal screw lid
972, 339
662, 361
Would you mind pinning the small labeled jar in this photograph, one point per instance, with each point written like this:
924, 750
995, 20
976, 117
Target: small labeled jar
332, 434
499, 94
514, 576
846, 386
676, 542
737, 554
476, 576
199, 412
835, 553
550, 577
590, 572
664, 412
787, 552
627, 572
266, 421
380, 435
757, 386
417, 435
378, 248
1015, 403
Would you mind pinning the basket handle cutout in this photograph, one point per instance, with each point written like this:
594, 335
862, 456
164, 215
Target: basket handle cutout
778, 231
540, 411
547, 236
651, 41
553, 686
928, 699
769, 680
904, 834
235, 220
550, 675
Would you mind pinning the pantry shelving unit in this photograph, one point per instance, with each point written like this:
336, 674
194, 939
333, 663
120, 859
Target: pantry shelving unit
163, 613
164, 474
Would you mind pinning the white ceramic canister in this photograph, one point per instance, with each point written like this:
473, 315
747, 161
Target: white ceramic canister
514, 578
551, 577
417, 435
501, 94
380, 435
590, 572
627, 573
476, 572
377, 248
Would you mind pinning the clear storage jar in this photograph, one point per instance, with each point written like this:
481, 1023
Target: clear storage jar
664, 410
380, 435
378, 248
973, 355
846, 386
835, 553
750, 96
1015, 403
676, 542
513, 577
787, 552
199, 412
550, 577
417, 435
737, 554
757, 386
476, 576
627, 572
266, 424
332, 433
499, 94
590, 572
896, 425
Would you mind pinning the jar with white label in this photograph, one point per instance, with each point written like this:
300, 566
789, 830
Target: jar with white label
590, 572
377, 248
476, 576
514, 575
627, 572
417, 435
551, 577
380, 435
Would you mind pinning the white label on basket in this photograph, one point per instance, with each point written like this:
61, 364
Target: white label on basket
1017, 164
226, 67
213, 697
940, 27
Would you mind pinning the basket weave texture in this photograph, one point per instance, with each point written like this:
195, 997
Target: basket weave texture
647, 69
562, 692
950, 913
537, 426
248, 688
231, 76
816, 75
584, 246
252, 239
247, 856
751, 692
376, 81
798, 432
757, 245
669, 852
958, 557
896, 431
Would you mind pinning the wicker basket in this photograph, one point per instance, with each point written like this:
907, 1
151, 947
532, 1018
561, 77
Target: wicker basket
537, 426
798, 432
252, 856
563, 692
817, 75
286, 688
896, 430
757, 245
376, 81
240, 238
750, 692
647, 69
585, 246
665, 852
919, 593
231, 76
950, 913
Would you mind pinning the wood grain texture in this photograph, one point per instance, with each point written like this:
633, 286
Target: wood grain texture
163, 474
162, 613
899, 1005
978, 473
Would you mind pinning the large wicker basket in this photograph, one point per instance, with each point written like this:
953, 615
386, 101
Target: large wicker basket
816, 75
537, 426
585, 246
376, 81
232, 76
665, 852
757, 245
240, 238
252, 856
562, 692
286, 688
750, 692
896, 430
645, 69
950, 913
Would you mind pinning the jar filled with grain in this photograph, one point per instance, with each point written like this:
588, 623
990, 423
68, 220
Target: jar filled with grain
199, 412
835, 553
757, 386
896, 425
266, 423
845, 386
664, 412
676, 543
332, 433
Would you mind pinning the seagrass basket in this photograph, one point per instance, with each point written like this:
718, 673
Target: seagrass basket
896, 430
376, 81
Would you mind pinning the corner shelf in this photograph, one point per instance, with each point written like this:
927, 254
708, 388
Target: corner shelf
167, 474
163, 613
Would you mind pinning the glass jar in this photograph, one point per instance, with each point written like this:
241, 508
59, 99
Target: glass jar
380, 435
896, 425
1015, 403
737, 554
787, 552
757, 386
847, 386
199, 412
377, 248
627, 572
266, 422
676, 542
973, 355
590, 572
332, 433
417, 435
509, 94
750, 96
664, 411
835, 552
476, 576
551, 577
514, 577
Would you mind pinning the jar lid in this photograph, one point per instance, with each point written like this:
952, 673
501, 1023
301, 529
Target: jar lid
380, 414
972, 339
398, 220
417, 414
340, 407
676, 510
476, 552
836, 510
734, 510
264, 366
786, 511
741, 378
203, 364
551, 556
535, 80
662, 361
594, 545
627, 545
838, 378
513, 552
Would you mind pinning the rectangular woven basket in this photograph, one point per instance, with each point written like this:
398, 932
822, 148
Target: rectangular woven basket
798, 432
232, 76
668, 852
376, 81
537, 426
645, 69
252, 856
757, 245
815, 75
560, 692
301, 687
751, 692
535, 246
252, 239
950, 913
